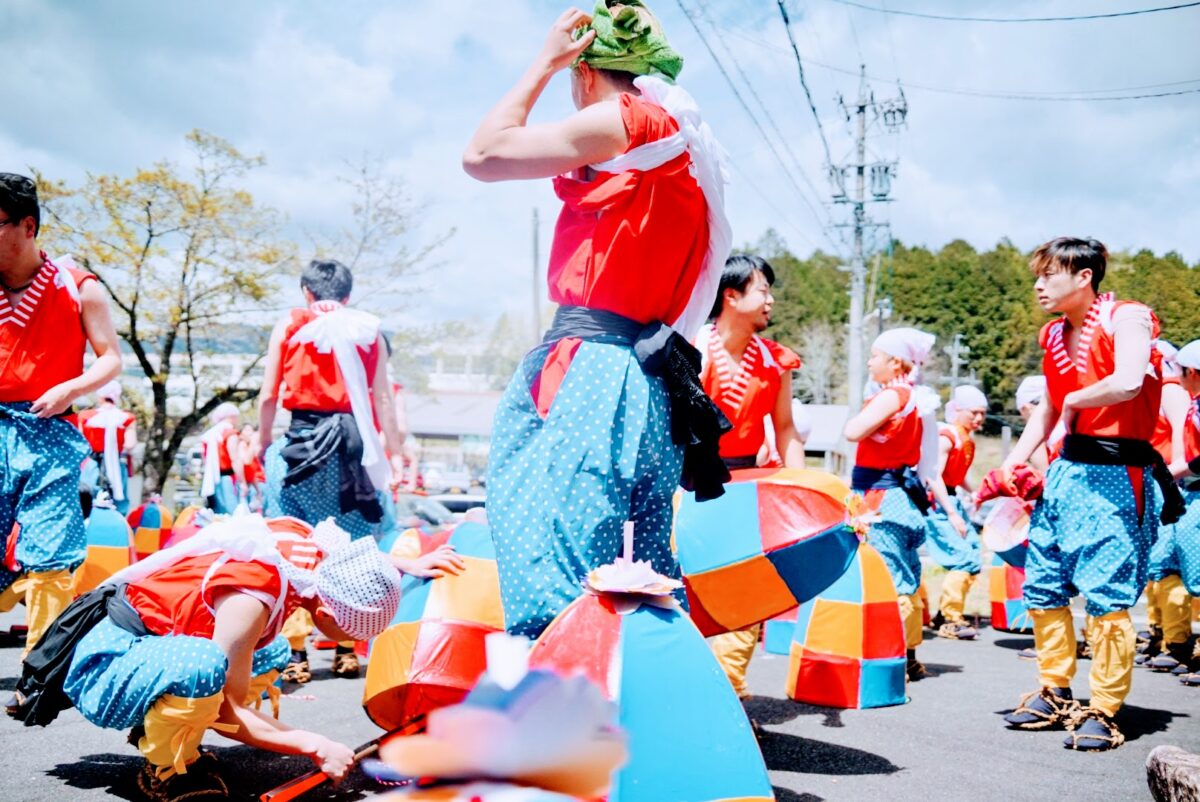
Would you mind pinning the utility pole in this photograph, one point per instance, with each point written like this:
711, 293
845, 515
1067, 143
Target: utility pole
957, 351
892, 113
537, 288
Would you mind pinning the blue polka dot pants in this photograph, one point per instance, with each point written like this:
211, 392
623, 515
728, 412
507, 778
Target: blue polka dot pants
314, 499
1086, 537
116, 677
897, 536
39, 489
561, 489
947, 548
1177, 550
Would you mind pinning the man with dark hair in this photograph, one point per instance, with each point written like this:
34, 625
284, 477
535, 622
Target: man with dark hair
591, 431
48, 315
1092, 530
750, 379
325, 366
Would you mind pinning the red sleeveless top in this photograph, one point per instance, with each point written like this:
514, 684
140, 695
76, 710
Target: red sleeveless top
632, 243
1095, 359
897, 443
95, 435
746, 392
312, 380
1161, 439
962, 454
42, 340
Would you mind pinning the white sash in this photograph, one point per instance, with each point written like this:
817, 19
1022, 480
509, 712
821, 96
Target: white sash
110, 419
212, 459
343, 331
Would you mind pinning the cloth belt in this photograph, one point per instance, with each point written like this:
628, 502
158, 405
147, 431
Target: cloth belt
863, 478
44, 672
312, 439
1090, 450
696, 422
733, 463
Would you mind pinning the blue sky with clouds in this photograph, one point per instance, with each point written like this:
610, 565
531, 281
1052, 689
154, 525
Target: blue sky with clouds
109, 85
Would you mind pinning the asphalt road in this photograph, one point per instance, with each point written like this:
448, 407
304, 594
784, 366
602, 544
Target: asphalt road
947, 743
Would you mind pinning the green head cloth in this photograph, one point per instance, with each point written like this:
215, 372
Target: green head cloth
629, 39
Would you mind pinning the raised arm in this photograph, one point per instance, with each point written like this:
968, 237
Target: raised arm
268, 396
505, 148
1175, 405
876, 413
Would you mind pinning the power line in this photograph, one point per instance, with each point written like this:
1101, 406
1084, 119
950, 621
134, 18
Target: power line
1023, 94
753, 119
766, 112
949, 18
787, 26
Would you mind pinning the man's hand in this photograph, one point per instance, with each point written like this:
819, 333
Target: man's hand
561, 47
397, 463
437, 563
332, 758
54, 401
264, 444
957, 522
1067, 416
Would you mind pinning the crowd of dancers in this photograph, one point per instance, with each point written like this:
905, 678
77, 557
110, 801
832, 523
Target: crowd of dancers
654, 376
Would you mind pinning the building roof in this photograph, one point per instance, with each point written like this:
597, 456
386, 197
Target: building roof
451, 414
828, 422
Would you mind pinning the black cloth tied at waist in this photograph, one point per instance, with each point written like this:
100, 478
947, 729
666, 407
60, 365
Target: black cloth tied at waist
863, 479
1090, 450
696, 422
312, 439
44, 672
734, 463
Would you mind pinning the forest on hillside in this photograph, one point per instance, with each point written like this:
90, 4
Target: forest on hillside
986, 297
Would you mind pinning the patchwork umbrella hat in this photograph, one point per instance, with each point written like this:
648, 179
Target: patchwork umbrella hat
109, 549
848, 648
776, 538
1006, 584
433, 653
689, 738
1006, 530
151, 524
188, 522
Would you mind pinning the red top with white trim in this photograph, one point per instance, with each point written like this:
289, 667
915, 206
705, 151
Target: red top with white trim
1094, 360
632, 243
42, 339
312, 380
897, 443
95, 434
178, 600
962, 454
746, 392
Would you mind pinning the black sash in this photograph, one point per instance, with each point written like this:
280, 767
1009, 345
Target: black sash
1089, 450
696, 422
312, 439
863, 479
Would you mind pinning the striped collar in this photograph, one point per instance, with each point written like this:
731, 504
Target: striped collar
22, 313
1057, 340
732, 380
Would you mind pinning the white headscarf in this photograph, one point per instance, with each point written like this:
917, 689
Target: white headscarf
1031, 391
965, 397
1189, 356
911, 345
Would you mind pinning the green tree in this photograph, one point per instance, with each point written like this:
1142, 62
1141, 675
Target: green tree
188, 258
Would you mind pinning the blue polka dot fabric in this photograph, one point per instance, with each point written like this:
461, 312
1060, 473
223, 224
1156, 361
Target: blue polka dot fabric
39, 489
1086, 537
1177, 550
561, 489
116, 677
947, 548
897, 537
316, 498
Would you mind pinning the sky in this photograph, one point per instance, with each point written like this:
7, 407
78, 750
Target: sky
111, 85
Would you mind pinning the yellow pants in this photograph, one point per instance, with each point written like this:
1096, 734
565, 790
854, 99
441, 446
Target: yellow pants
297, 628
953, 599
1153, 612
174, 727
1174, 609
46, 594
1113, 640
910, 613
733, 651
